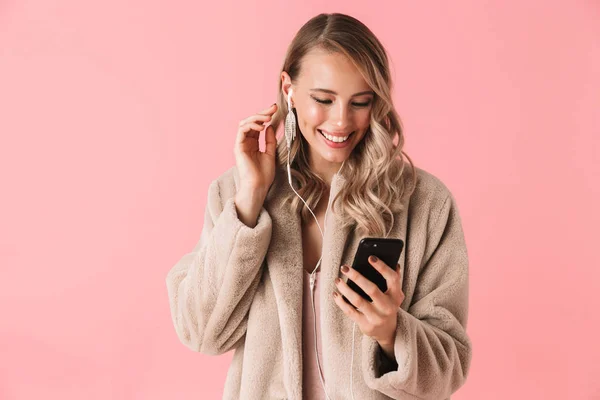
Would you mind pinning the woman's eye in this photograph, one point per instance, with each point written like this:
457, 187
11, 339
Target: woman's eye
365, 104
322, 101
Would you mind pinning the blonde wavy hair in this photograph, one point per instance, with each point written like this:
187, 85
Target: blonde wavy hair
377, 166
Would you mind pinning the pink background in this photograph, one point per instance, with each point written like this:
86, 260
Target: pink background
115, 116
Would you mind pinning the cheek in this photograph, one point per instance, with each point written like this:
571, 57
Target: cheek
363, 119
315, 115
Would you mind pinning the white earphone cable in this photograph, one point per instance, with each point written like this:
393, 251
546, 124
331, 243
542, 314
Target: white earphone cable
352, 364
289, 138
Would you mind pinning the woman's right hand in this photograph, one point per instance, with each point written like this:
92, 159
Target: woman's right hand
256, 168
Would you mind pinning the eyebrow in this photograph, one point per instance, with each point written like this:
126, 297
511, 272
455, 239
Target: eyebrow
332, 92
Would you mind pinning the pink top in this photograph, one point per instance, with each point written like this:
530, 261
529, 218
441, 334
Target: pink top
311, 383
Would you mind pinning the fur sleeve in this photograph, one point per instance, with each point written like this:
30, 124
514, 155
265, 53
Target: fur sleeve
432, 348
211, 288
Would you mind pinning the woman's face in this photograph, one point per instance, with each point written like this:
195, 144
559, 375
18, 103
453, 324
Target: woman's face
333, 104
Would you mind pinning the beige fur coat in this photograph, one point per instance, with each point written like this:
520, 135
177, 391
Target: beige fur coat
240, 289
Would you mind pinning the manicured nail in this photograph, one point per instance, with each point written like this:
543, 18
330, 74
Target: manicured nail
373, 259
337, 280
345, 269
335, 294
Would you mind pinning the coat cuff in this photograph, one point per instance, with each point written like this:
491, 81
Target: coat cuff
378, 370
244, 240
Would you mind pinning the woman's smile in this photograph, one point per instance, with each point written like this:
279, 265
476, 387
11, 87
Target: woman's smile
337, 140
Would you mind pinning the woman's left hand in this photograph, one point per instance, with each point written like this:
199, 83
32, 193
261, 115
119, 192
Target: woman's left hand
377, 319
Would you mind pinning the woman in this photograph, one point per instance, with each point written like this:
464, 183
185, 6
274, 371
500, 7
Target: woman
245, 286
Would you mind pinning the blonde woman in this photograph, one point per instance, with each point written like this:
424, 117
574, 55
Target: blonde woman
267, 276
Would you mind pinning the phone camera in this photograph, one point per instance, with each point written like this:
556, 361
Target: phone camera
374, 244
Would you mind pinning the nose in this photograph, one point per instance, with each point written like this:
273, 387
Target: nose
342, 115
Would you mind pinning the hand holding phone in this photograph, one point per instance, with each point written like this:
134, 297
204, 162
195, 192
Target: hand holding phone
387, 250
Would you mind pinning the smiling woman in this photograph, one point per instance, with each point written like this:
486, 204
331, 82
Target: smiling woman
249, 283
342, 101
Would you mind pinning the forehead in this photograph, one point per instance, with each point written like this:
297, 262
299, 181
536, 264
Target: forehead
334, 71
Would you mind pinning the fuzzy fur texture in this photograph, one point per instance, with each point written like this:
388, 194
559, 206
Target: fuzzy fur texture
241, 288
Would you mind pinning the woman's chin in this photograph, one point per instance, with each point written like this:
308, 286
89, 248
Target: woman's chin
334, 156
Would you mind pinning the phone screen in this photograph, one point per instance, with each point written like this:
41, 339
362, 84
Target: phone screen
387, 250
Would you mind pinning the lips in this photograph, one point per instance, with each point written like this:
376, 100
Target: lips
337, 137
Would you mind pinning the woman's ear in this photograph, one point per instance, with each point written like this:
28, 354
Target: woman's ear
286, 83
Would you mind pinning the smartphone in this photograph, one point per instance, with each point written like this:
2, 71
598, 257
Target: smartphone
387, 250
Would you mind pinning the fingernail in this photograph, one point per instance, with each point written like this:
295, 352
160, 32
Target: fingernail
345, 269
337, 280
373, 259
335, 294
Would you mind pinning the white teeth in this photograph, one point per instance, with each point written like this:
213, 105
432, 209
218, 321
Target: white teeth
336, 139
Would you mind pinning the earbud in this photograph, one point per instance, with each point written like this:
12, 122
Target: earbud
289, 98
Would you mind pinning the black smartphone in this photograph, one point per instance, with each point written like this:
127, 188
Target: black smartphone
387, 250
